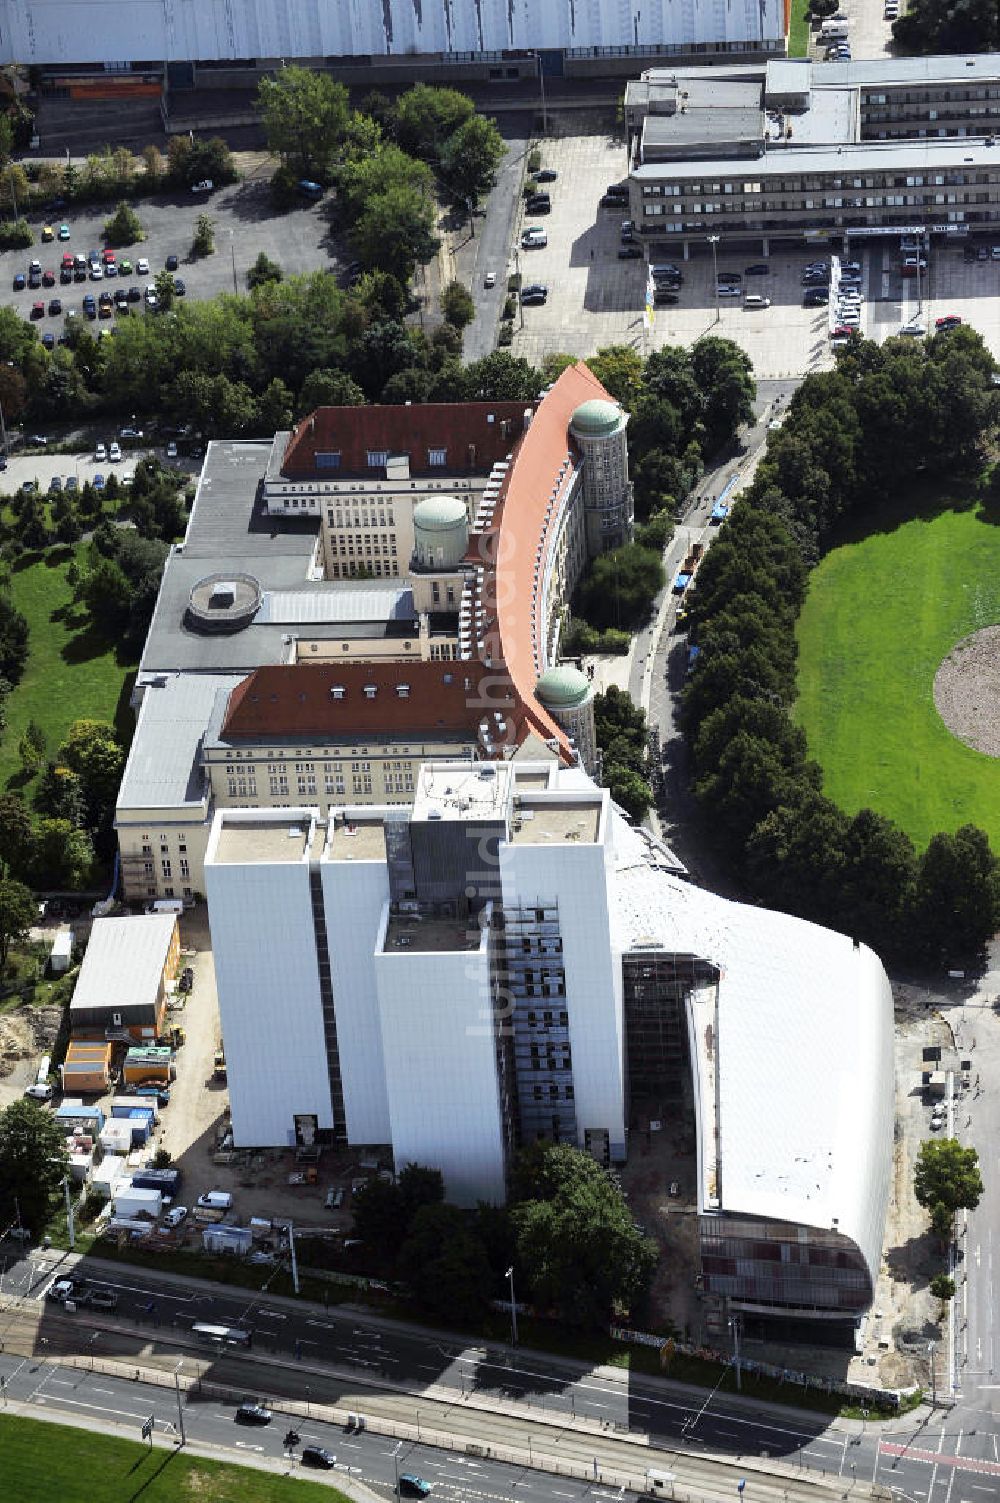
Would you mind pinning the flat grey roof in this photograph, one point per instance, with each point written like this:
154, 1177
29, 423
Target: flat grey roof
162, 770
788, 75
945, 154
969, 67
228, 533
351, 602
357, 840
551, 821
422, 933
269, 840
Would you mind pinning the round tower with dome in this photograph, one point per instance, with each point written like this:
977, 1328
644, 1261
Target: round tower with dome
598, 429
568, 696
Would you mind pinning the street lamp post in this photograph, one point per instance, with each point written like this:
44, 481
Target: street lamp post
232, 251
513, 1308
713, 241
735, 1324
180, 1407
931, 1350
395, 1467
541, 86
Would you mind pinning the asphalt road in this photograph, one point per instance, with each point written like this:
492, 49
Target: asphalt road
489, 250
387, 1367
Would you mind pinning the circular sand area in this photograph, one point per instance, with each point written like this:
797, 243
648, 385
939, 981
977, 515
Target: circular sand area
967, 691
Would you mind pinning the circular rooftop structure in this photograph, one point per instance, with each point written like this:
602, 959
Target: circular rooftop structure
439, 514
222, 603
596, 419
563, 688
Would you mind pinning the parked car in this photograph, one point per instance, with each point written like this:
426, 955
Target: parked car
490, 279
64, 232
815, 297
546, 175
38, 310
913, 331
948, 321
175, 1216
48, 233
20, 281
172, 263
142, 267
334, 1200
40, 1091
124, 267
757, 269
180, 287
48, 278
48, 343
630, 252
206, 185
55, 307
172, 449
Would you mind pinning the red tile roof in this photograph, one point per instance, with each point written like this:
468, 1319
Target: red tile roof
300, 699
520, 520
474, 436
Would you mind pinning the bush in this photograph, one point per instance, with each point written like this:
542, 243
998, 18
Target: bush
124, 227
510, 306
264, 270
534, 159
15, 234
506, 335
457, 305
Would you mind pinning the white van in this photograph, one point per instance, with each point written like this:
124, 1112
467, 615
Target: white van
43, 1069
833, 31
756, 300
215, 1200
166, 905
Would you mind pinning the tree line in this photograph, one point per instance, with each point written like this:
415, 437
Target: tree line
566, 1231
852, 438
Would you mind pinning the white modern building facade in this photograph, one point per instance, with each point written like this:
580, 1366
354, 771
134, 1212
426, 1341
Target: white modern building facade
507, 959
144, 32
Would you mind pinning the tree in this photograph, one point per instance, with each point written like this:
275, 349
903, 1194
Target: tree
956, 907
195, 159
425, 117
621, 586
305, 115
942, 1287
16, 834
329, 388
92, 752
264, 270
203, 243
33, 1165
18, 911
376, 1211
628, 789
457, 305
946, 1179
937, 26
471, 157
13, 640
31, 748
577, 1245
502, 377
164, 284
619, 369
395, 230
418, 1186
62, 855
444, 1262
724, 375
124, 227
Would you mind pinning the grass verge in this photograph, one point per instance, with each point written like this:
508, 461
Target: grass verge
72, 671
49, 1463
798, 29
880, 616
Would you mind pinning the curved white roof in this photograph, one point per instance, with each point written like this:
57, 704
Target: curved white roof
803, 1052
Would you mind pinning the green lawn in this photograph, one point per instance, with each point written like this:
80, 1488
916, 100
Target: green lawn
879, 617
798, 29
71, 672
48, 1463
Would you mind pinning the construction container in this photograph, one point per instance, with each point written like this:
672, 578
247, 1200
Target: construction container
234, 1240
167, 1181
87, 1066
62, 951
116, 1136
147, 1062
107, 1174
135, 1203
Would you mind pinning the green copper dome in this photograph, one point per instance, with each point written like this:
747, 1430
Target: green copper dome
563, 688
439, 514
596, 419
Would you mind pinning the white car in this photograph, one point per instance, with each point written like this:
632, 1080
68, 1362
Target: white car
114, 453
729, 289
205, 186
175, 1216
152, 299
914, 331
172, 449
100, 454
142, 267
490, 279
40, 1091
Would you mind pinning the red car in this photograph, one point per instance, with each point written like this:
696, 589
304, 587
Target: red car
67, 261
107, 255
38, 310
949, 321
844, 331
48, 279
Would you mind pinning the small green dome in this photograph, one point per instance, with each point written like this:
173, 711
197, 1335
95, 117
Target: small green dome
563, 688
596, 419
439, 514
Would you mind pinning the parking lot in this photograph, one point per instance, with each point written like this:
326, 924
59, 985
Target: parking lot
595, 299
246, 223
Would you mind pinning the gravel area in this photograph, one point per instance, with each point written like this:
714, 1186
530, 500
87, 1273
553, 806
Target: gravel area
967, 691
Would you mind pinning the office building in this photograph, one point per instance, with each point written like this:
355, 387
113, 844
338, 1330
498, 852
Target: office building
506, 959
777, 152
381, 587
